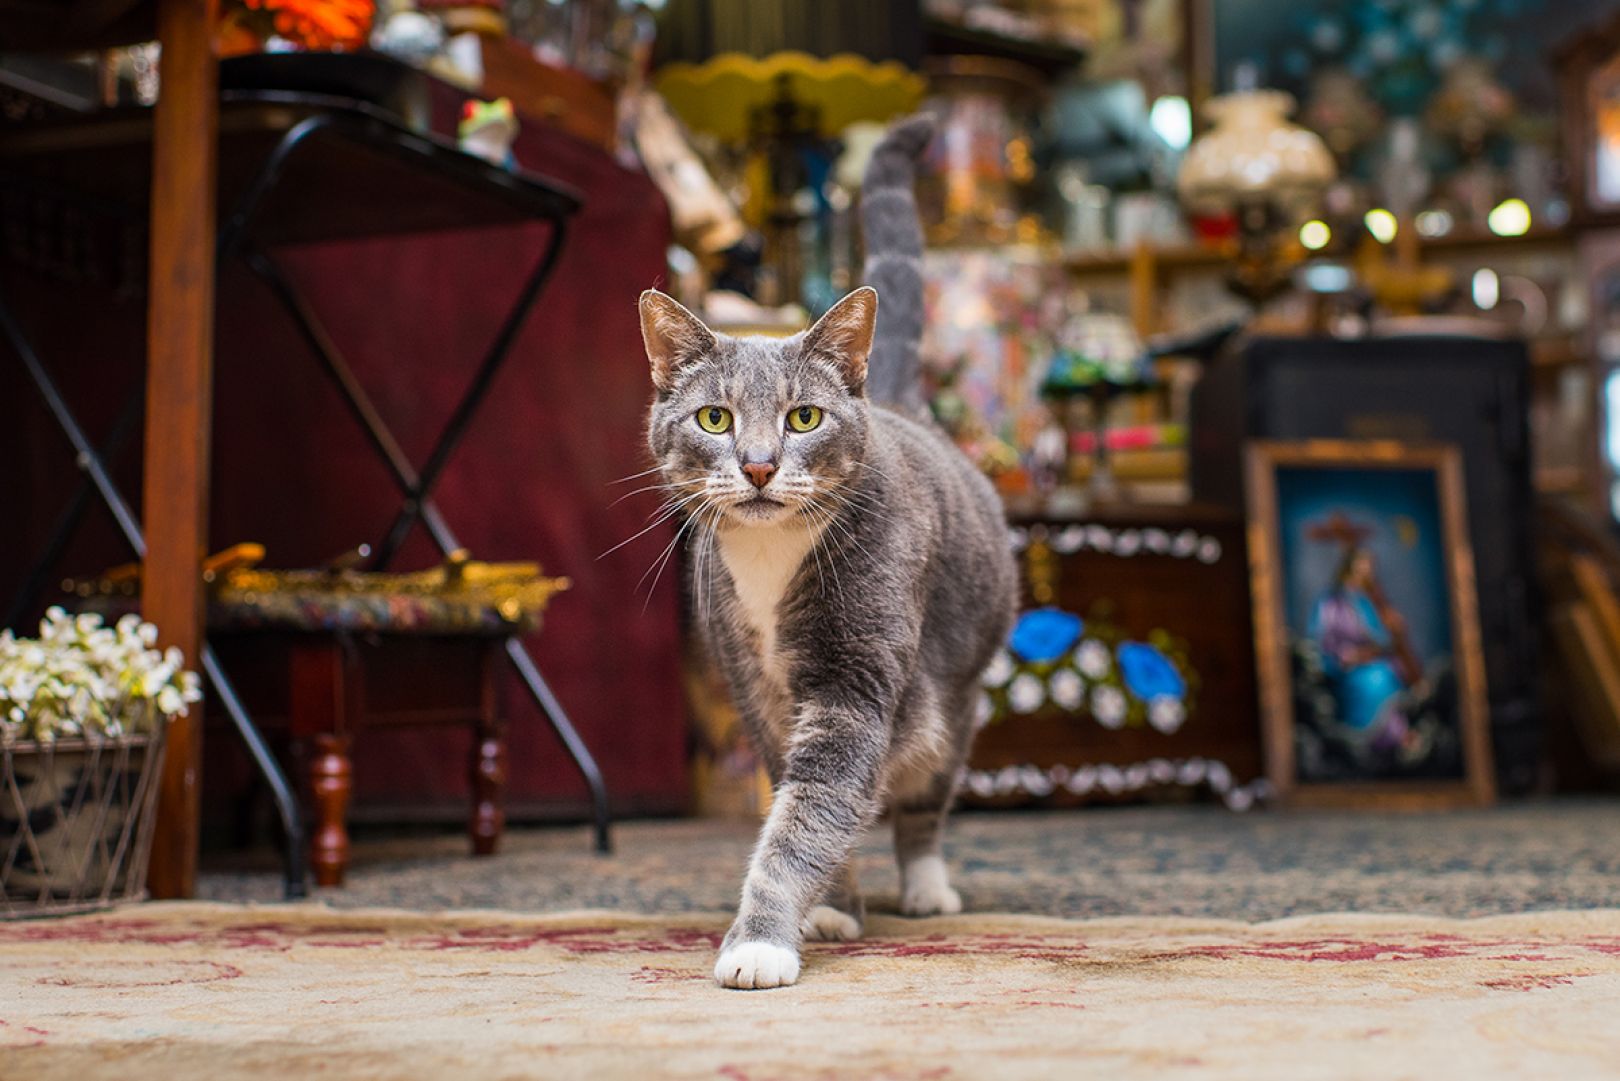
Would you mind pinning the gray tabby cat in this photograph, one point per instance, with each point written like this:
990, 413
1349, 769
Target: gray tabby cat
851, 573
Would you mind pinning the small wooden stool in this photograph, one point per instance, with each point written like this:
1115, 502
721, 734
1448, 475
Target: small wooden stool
336, 650
338, 687
366, 650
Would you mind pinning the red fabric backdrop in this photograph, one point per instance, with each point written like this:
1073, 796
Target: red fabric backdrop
532, 480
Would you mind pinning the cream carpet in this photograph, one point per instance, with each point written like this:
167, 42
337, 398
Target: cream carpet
177, 991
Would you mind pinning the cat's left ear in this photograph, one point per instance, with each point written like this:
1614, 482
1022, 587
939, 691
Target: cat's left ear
844, 335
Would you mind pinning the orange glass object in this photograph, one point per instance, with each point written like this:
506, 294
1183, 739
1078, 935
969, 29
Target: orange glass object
311, 24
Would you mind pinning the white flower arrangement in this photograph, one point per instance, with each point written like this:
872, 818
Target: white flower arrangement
80, 678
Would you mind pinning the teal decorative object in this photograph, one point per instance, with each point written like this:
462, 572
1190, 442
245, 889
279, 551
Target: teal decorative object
1099, 356
1096, 349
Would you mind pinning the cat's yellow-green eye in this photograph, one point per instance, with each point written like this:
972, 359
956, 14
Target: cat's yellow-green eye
714, 419
804, 419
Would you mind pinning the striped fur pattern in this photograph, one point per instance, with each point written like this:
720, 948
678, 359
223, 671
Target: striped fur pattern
894, 249
852, 599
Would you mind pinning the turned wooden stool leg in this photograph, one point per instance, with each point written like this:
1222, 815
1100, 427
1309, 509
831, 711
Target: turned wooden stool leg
324, 708
488, 784
332, 781
488, 772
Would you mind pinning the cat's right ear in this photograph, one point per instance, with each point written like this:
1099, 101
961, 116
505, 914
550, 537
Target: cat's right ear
674, 336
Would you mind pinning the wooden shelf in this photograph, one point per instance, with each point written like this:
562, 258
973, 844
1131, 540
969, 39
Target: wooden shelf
1539, 236
945, 38
1561, 351
1204, 257
1116, 261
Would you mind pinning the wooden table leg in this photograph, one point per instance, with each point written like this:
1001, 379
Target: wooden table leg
179, 381
488, 766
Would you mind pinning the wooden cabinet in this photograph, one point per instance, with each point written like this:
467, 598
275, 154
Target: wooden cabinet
1131, 670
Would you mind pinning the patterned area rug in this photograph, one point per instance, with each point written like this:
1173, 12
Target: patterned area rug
176, 991
1197, 861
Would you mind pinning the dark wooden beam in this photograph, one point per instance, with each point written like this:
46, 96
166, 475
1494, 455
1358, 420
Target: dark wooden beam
179, 397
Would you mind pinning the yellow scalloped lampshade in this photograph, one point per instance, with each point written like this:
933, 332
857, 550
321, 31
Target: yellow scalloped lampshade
720, 95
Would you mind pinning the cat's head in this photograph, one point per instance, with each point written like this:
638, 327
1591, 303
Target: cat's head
755, 431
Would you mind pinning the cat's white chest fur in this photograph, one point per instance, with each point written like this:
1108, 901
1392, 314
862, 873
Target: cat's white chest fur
762, 562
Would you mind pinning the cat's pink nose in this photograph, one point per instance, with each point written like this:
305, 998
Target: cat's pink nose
760, 473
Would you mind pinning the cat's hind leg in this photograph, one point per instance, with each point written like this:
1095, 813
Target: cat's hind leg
919, 847
842, 913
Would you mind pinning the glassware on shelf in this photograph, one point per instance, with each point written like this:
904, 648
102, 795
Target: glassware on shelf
1087, 209
982, 156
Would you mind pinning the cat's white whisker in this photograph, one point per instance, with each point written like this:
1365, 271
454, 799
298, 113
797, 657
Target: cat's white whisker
665, 513
815, 553
702, 576
662, 561
647, 488
845, 532
636, 476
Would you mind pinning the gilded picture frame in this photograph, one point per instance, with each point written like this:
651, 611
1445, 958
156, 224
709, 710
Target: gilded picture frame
1367, 639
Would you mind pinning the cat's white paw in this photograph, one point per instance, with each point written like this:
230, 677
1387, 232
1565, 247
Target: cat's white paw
827, 924
927, 890
757, 965
932, 900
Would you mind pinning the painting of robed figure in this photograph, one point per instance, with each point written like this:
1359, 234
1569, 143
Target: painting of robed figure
1365, 611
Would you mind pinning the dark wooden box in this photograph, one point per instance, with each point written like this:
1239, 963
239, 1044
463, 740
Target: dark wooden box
1169, 581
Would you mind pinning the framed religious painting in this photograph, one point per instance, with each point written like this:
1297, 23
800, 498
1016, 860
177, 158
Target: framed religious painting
1367, 642
1588, 65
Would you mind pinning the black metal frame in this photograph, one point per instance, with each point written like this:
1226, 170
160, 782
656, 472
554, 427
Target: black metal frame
416, 486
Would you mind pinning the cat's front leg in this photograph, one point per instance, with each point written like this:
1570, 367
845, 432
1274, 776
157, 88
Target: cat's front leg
825, 800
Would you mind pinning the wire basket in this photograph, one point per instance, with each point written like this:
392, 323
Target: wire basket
76, 819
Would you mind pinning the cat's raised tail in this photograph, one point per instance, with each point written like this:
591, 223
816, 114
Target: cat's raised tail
894, 248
